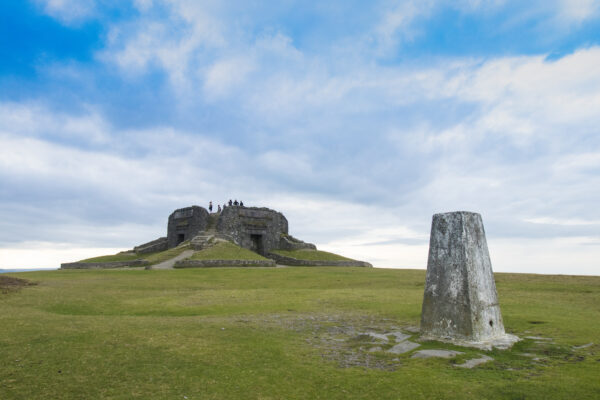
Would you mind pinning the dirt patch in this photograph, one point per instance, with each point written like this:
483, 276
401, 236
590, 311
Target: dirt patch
352, 340
349, 341
10, 284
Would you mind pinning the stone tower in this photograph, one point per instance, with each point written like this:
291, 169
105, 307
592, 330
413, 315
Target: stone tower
460, 302
185, 223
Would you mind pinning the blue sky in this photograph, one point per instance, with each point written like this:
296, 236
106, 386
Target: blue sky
357, 120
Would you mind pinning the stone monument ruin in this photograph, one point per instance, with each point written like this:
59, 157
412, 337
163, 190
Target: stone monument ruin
460, 303
185, 223
259, 229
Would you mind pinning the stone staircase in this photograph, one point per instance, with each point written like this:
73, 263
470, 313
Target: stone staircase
205, 238
211, 226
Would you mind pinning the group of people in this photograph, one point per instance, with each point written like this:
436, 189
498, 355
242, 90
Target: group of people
231, 203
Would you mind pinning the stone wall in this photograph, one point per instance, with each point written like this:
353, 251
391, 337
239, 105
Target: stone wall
223, 263
160, 244
288, 242
185, 223
98, 265
314, 263
256, 229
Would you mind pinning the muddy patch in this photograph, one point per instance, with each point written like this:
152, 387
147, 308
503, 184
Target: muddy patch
356, 341
9, 284
351, 340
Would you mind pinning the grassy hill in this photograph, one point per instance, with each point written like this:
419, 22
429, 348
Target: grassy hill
311, 255
219, 251
280, 333
152, 258
226, 251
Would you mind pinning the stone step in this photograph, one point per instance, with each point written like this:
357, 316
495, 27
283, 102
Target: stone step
212, 222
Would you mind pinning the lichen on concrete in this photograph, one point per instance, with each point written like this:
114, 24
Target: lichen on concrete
460, 303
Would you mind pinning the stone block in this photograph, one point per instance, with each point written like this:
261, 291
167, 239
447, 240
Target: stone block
460, 301
160, 244
185, 223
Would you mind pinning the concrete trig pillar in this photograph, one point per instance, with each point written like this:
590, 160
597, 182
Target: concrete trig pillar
460, 302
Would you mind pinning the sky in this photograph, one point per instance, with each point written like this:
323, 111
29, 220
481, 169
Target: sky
357, 120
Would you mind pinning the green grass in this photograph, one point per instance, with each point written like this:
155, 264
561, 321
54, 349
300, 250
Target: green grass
155, 258
275, 333
311, 255
226, 251
112, 258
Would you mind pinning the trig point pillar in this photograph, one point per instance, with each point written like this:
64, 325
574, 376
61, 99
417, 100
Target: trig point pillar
460, 302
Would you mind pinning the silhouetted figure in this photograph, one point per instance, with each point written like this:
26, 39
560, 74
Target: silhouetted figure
235, 203
224, 206
219, 208
210, 206
241, 203
230, 202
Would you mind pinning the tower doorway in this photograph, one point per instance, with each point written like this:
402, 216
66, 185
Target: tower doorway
257, 244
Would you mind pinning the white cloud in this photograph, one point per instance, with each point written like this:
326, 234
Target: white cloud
68, 11
225, 75
180, 43
48, 254
143, 5
578, 11
566, 256
383, 146
34, 120
564, 222
397, 23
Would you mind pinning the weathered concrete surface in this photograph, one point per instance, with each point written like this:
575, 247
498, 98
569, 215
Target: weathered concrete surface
475, 362
253, 228
399, 336
436, 353
374, 336
403, 347
185, 223
460, 303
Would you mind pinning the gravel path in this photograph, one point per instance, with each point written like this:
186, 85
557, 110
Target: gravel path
170, 263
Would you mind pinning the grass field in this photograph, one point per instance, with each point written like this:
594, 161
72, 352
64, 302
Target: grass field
280, 333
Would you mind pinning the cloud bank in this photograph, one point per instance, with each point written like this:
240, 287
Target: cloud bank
357, 132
